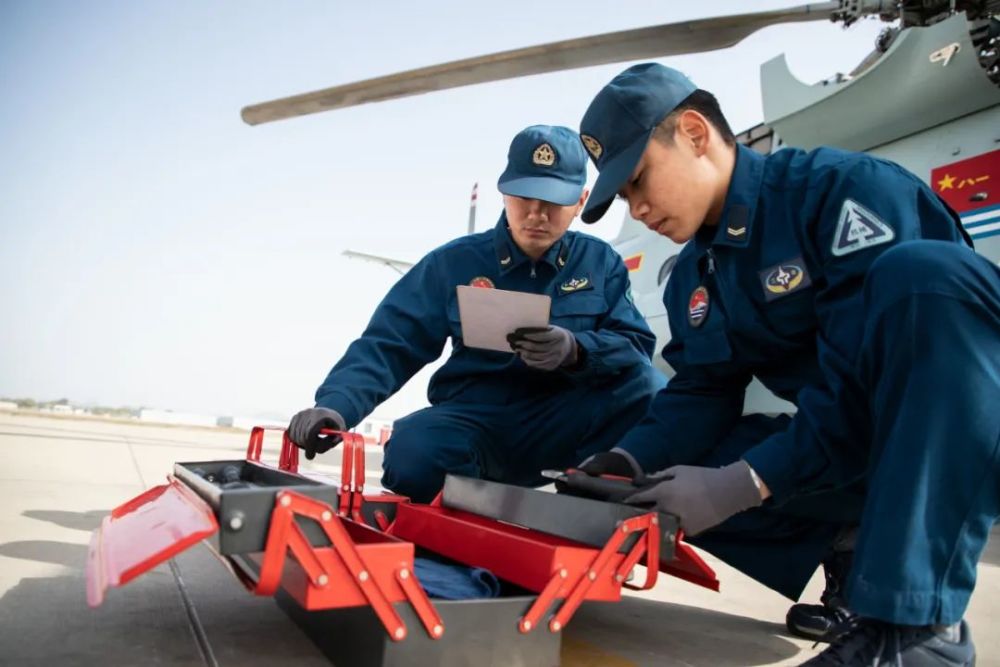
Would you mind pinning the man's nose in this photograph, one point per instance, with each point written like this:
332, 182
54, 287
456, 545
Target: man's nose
538, 210
639, 210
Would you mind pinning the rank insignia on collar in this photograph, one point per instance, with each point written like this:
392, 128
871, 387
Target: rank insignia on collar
544, 156
784, 278
575, 285
505, 261
736, 222
481, 281
698, 306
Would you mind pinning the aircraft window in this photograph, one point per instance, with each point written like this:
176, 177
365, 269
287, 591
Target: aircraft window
665, 270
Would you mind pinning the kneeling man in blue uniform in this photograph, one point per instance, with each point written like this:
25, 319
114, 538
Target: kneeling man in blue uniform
570, 390
849, 288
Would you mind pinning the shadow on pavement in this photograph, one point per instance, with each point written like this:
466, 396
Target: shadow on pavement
47, 551
87, 521
46, 621
649, 632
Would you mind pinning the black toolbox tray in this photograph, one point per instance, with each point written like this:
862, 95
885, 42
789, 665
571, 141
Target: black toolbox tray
244, 514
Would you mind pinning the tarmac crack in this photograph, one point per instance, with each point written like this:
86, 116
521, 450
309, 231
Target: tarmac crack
194, 622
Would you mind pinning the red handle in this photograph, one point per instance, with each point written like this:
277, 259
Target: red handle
288, 459
352, 472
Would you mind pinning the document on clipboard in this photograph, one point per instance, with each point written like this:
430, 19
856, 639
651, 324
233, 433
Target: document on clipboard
488, 315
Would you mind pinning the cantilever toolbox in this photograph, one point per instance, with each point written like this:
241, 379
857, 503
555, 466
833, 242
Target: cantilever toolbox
341, 563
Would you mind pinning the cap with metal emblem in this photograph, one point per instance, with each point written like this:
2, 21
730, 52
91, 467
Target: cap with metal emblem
619, 122
545, 162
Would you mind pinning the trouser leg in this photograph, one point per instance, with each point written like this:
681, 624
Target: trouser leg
559, 430
435, 441
931, 356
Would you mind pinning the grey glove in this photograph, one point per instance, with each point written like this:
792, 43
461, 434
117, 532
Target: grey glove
305, 427
545, 348
700, 497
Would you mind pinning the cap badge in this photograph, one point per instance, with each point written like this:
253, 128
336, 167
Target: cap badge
592, 145
544, 156
481, 281
698, 306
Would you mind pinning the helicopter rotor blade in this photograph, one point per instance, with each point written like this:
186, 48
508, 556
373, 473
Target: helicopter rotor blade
641, 43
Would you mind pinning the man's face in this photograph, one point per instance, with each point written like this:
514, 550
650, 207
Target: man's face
537, 225
672, 188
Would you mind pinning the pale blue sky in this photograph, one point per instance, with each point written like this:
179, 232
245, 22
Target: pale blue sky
156, 250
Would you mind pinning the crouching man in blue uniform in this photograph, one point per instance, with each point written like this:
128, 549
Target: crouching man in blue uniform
572, 389
847, 287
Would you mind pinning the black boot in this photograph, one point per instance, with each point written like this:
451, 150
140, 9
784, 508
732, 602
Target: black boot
870, 643
823, 622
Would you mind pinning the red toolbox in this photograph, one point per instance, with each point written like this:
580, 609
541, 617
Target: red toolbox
341, 563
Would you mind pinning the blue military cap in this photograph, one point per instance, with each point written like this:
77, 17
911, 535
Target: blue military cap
620, 121
545, 162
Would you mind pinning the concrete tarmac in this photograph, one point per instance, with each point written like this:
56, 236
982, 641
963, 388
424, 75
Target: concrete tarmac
60, 476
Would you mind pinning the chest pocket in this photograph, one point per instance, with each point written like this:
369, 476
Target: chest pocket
578, 311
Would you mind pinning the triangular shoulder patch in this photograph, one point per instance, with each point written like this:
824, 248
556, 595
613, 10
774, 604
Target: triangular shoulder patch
857, 229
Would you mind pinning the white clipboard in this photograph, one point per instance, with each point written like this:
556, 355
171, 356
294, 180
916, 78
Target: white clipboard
488, 315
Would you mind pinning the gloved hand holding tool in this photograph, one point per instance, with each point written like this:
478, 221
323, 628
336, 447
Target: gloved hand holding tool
615, 462
700, 497
578, 483
544, 348
304, 430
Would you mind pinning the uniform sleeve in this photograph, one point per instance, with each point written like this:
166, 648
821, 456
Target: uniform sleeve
622, 338
870, 207
688, 417
407, 332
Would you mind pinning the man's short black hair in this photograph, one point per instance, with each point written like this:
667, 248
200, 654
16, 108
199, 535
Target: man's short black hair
704, 103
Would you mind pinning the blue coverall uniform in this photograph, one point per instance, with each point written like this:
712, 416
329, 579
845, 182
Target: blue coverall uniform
849, 288
492, 416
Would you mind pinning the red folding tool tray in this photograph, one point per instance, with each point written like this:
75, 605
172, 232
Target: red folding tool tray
350, 581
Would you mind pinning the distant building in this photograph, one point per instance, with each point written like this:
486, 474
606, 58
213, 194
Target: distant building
375, 431
8, 405
180, 418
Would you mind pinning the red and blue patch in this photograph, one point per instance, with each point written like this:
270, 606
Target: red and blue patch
698, 306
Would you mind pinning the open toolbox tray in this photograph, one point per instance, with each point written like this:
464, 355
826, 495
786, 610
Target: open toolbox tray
350, 582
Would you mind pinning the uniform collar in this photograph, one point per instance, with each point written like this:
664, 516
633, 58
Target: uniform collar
736, 222
509, 255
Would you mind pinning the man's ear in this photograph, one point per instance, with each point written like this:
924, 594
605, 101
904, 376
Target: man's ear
693, 129
583, 200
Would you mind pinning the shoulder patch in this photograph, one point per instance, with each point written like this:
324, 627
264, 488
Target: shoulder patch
857, 229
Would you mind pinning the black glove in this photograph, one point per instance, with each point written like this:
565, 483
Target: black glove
614, 462
544, 348
305, 427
